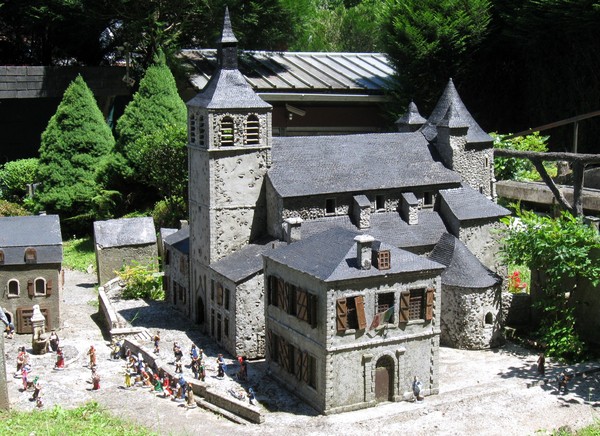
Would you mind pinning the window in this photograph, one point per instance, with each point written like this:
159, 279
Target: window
212, 290
294, 361
192, 128
219, 294
182, 265
416, 304
292, 300
379, 202
226, 327
381, 259
227, 132
24, 315
167, 256
30, 255
200, 129
350, 314
227, 296
385, 303
40, 286
487, 162
218, 326
13, 288
212, 322
1, 257
489, 318
252, 130
330, 206
428, 198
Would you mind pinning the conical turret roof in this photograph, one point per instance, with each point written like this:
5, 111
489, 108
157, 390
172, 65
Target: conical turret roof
475, 134
411, 117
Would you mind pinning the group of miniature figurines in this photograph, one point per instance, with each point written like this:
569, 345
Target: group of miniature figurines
23, 371
197, 361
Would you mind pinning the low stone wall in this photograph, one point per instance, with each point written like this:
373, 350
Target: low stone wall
111, 318
516, 309
201, 389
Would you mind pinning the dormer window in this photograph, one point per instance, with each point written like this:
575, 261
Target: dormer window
227, 132
428, 198
379, 202
381, 259
330, 206
252, 130
30, 255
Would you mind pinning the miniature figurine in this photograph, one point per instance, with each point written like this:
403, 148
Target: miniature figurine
190, 396
54, 340
196, 368
194, 353
417, 389
242, 374
10, 330
167, 386
157, 343
60, 359
127, 379
251, 396
563, 380
221, 366
21, 359
158, 386
181, 390
541, 364
92, 353
37, 387
115, 353
202, 371
146, 379
24, 372
95, 380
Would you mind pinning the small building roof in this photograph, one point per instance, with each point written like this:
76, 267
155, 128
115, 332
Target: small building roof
41, 232
411, 117
124, 232
463, 269
245, 262
313, 165
331, 256
475, 134
180, 240
467, 204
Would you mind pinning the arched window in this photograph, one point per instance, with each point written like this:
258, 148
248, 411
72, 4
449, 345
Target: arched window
489, 318
227, 132
30, 255
252, 130
13, 288
40, 286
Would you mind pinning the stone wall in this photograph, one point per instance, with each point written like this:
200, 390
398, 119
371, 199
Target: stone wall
471, 318
483, 239
249, 322
516, 309
4, 403
113, 259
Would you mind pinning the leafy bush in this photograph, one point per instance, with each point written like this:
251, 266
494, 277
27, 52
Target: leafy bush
11, 209
509, 168
15, 176
79, 254
169, 212
142, 281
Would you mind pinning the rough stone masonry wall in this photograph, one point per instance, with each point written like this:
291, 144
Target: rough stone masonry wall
114, 258
249, 323
484, 241
464, 317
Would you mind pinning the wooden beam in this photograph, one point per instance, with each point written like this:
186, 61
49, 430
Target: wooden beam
562, 201
578, 169
557, 124
549, 156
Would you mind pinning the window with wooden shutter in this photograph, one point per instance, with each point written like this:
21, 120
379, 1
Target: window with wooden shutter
430, 293
312, 371
298, 368
30, 289
404, 306
282, 295
302, 304
304, 365
40, 286
312, 310
219, 294
415, 309
359, 304
291, 297
49, 287
284, 355
341, 308
227, 135
252, 130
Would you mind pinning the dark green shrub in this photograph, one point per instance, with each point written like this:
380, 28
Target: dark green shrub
15, 176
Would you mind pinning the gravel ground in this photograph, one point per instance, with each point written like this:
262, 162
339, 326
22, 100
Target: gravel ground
480, 391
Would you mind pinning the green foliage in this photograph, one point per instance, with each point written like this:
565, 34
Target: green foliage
561, 248
15, 176
429, 41
169, 212
76, 140
79, 254
89, 419
508, 168
11, 209
142, 281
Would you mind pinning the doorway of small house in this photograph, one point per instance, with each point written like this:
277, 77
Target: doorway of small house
200, 311
384, 379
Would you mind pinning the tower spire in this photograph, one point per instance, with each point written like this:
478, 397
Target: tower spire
228, 45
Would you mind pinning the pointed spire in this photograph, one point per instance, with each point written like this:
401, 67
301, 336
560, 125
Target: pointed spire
227, 36
411, 120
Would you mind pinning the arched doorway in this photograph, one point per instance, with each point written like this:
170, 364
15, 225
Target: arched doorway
384, 379
200, 311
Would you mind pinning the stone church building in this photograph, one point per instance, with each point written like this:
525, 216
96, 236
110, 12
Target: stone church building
313, 251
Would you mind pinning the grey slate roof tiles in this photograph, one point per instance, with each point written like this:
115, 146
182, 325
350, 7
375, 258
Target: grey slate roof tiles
124, 231
475, 134
41, 232
467, 204
463, 268
331, 256
180, 240
313, 165
246, 261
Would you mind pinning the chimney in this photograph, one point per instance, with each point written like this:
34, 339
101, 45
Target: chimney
291, 229
363, 251
409, 208
362, 212
183, 224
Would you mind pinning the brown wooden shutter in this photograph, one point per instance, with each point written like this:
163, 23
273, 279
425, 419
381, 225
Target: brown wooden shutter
312, 310
298, 368
48, 287
341, 307
404, 305
359, 303
30, 288
284, 357
282, 295
272, 290
304, 372
301, 304
430, 293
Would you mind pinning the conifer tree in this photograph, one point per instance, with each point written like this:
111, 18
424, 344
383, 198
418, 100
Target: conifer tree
75, 142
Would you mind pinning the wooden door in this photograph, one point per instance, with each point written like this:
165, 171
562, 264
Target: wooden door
384, 379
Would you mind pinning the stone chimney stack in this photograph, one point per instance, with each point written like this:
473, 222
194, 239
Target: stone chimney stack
291, 229
363, 251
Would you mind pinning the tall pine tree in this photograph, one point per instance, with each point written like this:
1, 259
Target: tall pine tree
75, 142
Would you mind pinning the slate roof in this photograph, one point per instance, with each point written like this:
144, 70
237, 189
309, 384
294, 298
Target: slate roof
300, 71
124, 232
180, 240
246, 261
331, 256
313, 165
411, 117
475, 134
463, 268
41, 232
467, 204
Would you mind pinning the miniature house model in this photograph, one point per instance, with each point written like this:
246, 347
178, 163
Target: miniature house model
299, 245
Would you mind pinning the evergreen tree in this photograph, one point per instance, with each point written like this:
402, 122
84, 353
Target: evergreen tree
155, 105
76, 140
